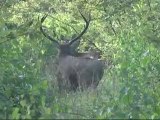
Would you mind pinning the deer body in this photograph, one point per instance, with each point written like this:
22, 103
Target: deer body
79, 72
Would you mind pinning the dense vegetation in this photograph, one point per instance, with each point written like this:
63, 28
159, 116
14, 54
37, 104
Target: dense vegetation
128, 33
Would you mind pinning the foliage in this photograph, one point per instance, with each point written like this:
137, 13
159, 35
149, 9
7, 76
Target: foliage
127, 32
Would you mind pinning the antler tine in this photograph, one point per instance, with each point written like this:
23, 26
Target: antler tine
84, 30
44, 33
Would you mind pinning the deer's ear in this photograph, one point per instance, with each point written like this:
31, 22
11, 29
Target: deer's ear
75, 45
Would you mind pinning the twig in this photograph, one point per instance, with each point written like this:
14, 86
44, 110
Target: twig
5, 41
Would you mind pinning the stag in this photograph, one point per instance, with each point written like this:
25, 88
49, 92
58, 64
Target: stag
76, 70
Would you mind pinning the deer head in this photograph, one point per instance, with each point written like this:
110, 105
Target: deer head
74, 70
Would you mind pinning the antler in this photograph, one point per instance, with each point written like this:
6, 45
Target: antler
44, 33
84, 30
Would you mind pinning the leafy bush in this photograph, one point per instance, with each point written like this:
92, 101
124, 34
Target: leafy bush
127, 32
